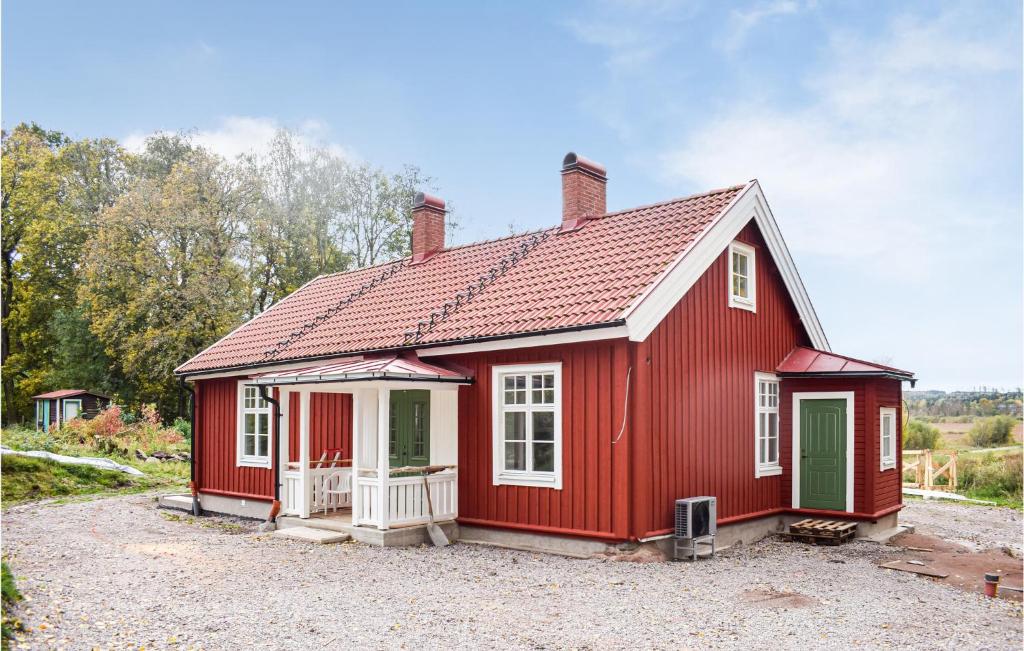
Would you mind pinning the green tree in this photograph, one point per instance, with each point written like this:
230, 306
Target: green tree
54, 190
993, 431
30, 195
918, 435
162, 278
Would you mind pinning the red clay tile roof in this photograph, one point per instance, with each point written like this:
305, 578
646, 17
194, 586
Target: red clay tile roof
807, 361
523, 284
67, 393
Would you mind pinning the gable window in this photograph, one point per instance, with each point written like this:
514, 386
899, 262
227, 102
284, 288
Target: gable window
253, 427
527, 424
887, 435
766, 425
742, 279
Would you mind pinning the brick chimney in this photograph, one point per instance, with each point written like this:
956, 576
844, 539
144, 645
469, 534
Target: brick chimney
583, 191
427, 226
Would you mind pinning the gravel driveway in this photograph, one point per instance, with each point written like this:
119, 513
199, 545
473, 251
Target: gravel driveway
118, 573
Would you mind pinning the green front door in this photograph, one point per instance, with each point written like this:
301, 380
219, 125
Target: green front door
409, 433
823, 454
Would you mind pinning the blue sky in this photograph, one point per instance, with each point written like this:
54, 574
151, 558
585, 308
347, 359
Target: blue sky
887, 136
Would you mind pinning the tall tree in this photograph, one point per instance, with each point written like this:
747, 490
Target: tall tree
162, 277
30, 193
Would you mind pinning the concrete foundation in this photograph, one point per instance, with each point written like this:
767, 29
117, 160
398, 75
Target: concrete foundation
218, 504
740, 533
533, 542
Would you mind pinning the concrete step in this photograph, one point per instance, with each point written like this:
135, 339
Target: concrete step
309, 534
326, 524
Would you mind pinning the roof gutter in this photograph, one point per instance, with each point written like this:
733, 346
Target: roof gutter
846, 374
380, 351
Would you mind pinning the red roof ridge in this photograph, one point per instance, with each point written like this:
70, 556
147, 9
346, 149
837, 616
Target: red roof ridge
732, 188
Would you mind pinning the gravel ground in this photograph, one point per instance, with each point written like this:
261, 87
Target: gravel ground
118, 573
971, 525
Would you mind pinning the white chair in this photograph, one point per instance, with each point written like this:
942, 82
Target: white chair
336, 486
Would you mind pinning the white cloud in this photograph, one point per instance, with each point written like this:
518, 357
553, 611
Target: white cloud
882, 146
238, 135
632, 32
742, 22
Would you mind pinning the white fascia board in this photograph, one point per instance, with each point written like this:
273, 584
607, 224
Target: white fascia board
644, 315
532, 341
527, 341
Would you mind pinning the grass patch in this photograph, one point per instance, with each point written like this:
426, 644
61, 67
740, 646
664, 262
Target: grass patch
27, 479
10, 596
994, 477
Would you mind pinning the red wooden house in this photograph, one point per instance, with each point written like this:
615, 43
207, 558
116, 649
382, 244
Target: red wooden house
572, 382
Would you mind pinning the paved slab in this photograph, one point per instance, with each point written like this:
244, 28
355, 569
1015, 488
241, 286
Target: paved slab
308, 534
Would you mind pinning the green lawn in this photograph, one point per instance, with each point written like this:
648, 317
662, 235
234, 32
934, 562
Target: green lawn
27, 479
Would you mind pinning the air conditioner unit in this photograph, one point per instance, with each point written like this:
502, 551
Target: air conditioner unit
696, 517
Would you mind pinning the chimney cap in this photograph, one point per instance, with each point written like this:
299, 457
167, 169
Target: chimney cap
573, 161
424, 200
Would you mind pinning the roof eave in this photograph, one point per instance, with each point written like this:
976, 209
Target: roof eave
905, 377
397, 349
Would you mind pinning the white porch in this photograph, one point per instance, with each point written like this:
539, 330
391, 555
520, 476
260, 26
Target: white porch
366, 488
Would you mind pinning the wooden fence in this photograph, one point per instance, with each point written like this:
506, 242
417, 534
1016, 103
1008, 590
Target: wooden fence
928, 469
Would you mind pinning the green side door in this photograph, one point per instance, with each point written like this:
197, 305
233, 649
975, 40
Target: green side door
409, 432
823, 454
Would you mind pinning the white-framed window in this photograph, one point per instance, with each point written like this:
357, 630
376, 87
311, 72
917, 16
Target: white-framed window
72, 409
742, 277
887, 438
766, 425
254, 415
527, 424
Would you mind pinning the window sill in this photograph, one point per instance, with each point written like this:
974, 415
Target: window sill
254, 462
535, 480
742, 304
887, 466
768, 471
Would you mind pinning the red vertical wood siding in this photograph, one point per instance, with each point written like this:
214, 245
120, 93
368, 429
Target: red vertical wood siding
217, 413
888, 484
594, 498
330, 425
694, 400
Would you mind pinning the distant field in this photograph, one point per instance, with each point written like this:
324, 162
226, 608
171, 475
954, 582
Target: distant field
954, 435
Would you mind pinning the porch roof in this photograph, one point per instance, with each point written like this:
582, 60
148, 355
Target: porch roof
808, 362
356, 369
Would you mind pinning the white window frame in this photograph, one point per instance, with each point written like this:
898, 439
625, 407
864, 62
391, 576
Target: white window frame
743, 303
886, 462
542, 479
767, 469
64, 409
253, 460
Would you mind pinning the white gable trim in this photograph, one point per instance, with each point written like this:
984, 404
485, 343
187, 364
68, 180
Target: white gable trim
644, 315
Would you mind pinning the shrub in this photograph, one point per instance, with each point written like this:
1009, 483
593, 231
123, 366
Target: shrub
992, 476
184, 428
10, 596
918, 435
992, 431
110, 434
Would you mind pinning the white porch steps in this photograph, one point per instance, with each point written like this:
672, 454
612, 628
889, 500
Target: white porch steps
313, 535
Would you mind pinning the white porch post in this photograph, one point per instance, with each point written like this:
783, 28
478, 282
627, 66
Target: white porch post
282, 451
304, 482
357, 435
383, 437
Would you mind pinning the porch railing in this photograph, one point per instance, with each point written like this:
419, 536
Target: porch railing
406, 502
317, 497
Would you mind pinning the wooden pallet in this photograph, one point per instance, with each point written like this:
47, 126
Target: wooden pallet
822, 532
